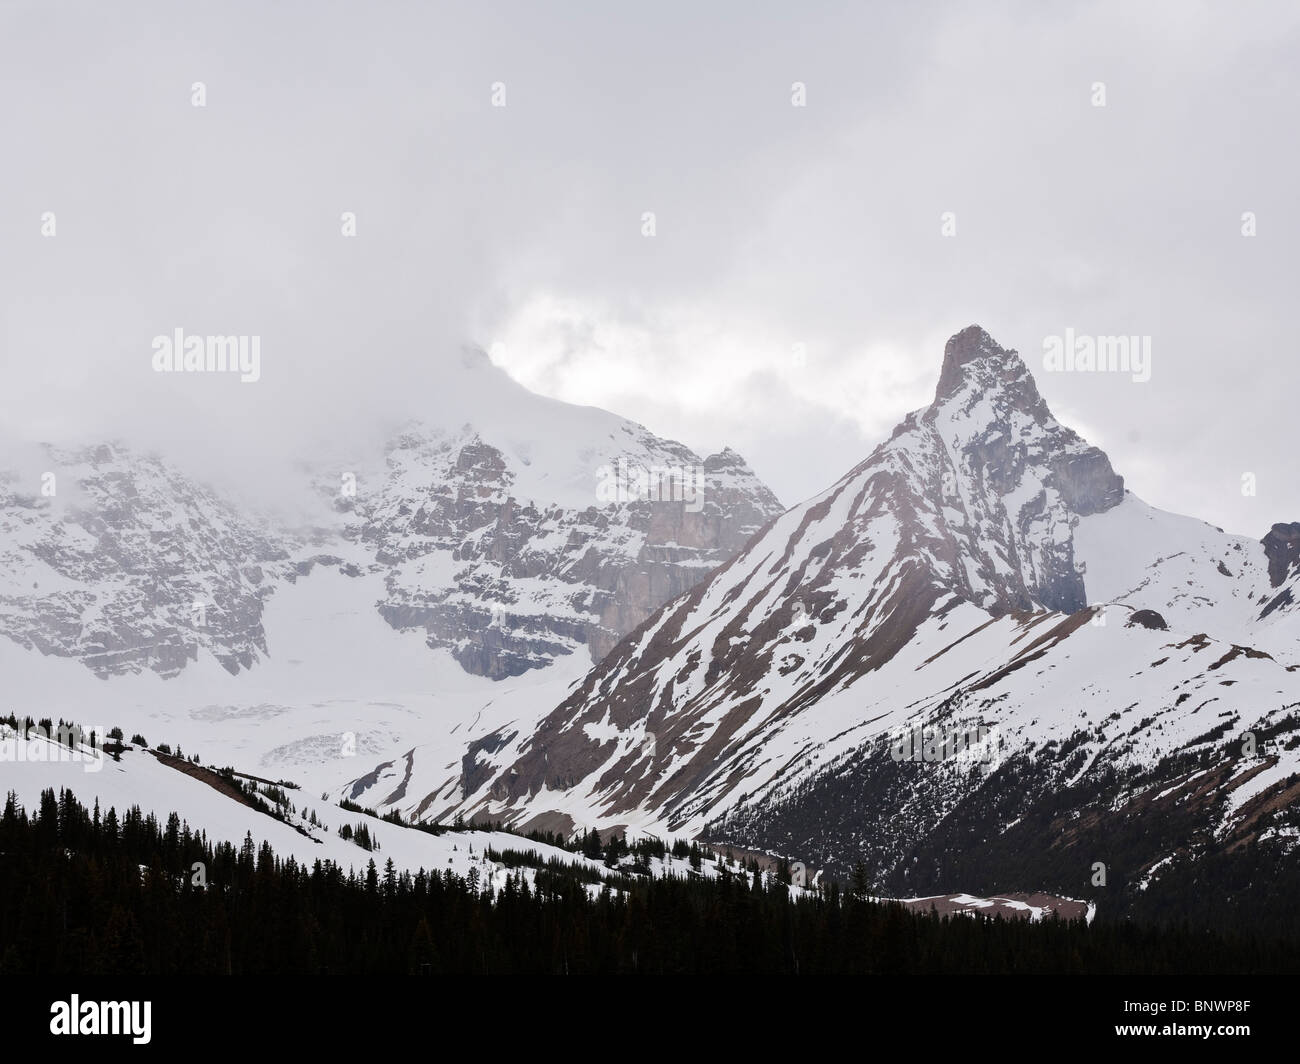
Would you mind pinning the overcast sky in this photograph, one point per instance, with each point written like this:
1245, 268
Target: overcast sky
520, 228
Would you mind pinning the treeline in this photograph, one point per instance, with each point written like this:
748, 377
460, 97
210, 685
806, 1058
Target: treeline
611, 848
82, 892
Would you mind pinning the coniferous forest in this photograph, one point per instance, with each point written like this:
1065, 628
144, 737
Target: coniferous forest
90, 893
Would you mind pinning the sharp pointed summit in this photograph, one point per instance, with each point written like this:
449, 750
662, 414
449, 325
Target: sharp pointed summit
972, 358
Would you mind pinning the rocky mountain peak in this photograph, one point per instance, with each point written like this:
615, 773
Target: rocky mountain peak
975, 366
987, 408
995, 484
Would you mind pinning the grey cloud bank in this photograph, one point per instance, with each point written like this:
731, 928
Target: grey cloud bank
794, 298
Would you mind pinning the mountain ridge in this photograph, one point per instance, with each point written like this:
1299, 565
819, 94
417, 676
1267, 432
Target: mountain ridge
970, 566
493, 538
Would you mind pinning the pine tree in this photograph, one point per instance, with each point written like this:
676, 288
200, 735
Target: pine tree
423, 956
861, 884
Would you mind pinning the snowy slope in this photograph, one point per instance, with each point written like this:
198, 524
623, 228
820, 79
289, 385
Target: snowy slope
309, 831
1193, 574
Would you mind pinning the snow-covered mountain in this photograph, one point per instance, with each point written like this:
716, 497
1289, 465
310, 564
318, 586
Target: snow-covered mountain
121, 562
541, 528
974, 662
984, 574
486, 555
509, 528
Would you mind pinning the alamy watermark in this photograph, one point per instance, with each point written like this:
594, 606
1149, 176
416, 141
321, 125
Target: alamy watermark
64, 744
208, 354
1098, 354
978, 745
77, 1017
624, 482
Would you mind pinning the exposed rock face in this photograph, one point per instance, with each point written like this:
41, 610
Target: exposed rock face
1282, 550
680, 546
1282, 546
1148, 619
506, 584
130, 566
